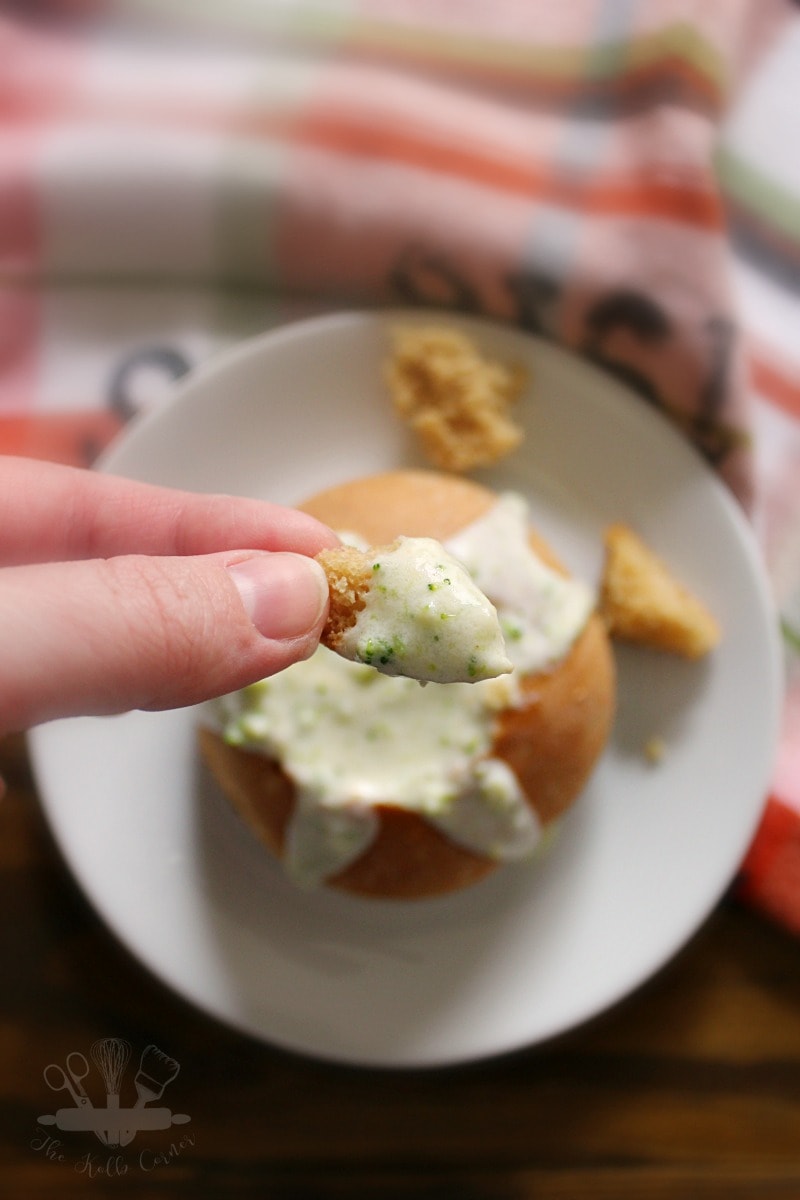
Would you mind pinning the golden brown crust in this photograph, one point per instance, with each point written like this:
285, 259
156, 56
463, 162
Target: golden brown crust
642, 602
349, 577
256, 786
552, 741
383, 507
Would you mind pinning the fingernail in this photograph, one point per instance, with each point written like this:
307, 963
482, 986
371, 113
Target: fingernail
283, 594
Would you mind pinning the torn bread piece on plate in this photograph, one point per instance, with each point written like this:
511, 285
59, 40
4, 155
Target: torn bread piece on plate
458, 402
410, 608
642, 602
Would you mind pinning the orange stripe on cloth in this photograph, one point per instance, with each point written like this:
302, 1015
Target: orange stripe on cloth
775, 383
644, 196
770, 874
684, 202
72, 438
20, 339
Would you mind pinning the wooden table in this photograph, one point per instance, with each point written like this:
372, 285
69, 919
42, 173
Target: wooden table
689, 1089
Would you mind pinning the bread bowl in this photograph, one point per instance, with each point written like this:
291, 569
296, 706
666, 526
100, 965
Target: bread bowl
545, 731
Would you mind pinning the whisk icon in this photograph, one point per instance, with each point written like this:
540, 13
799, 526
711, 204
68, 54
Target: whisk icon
110, 1055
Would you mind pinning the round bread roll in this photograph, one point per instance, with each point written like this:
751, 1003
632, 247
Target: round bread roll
552, 740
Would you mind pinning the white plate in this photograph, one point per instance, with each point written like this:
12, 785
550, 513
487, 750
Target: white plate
641, 859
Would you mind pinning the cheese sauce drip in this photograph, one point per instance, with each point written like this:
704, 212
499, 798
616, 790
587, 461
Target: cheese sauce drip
425, 618
351, 739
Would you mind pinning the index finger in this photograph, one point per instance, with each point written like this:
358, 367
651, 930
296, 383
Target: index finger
51, 512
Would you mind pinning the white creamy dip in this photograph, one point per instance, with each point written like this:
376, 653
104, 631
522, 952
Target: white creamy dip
425, 618
540, 610
351, 738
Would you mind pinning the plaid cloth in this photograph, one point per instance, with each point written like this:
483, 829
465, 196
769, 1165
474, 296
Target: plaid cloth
621, 176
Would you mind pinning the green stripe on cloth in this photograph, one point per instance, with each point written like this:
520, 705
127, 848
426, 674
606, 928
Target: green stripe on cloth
681, 41
237, 17
562, 65
764, 197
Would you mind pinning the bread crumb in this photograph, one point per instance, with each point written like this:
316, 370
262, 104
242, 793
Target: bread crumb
456, 401
654, 749
641, 601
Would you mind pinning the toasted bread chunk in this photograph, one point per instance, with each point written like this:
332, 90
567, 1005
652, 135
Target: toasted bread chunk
349, 575
456, 401
642, 602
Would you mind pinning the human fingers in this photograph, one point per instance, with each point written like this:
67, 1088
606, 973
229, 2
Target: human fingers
104, 636
49, 511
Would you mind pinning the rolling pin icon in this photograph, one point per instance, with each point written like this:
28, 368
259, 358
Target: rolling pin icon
133, 1120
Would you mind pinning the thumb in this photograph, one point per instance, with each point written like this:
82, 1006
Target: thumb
105, 636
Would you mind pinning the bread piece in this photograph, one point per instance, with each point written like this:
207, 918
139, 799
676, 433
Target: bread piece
349, 576
552, 740
457, 402
641, 601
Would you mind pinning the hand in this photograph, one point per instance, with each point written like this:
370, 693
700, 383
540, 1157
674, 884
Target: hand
117, 595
